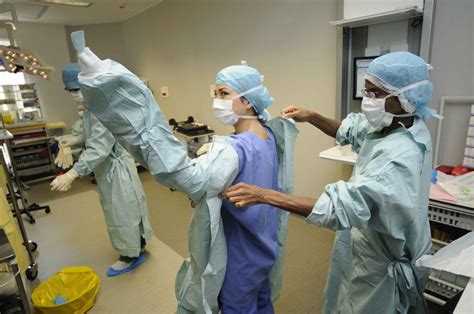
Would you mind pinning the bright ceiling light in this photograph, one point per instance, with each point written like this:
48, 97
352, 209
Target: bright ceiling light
13, 59
74, 3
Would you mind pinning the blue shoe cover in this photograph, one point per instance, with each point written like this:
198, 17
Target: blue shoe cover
140, 260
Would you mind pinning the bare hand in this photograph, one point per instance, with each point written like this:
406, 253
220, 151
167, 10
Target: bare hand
243, 194
299, 114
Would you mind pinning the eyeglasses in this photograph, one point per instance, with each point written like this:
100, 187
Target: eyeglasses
375, 93
368, 94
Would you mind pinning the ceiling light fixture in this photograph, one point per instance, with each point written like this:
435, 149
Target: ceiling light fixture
14, 59
14, 62
83, 4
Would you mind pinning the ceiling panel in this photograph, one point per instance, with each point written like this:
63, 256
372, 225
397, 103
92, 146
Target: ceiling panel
101, 11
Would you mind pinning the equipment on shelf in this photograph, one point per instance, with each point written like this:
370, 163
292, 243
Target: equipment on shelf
192, 134
29, 152
448, 222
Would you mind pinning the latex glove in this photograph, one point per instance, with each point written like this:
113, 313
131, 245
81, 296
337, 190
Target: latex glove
64, 182
203, 149
58, 161
64, 159
69, 141
296, 113
68, 159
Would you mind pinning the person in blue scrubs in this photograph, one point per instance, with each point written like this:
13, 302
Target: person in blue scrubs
236, 256
250, 232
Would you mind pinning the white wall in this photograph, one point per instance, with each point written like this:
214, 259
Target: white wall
106, 40
49, 42
452, 56
183, 44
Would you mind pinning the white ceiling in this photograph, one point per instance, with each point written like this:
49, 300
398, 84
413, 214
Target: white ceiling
101, 11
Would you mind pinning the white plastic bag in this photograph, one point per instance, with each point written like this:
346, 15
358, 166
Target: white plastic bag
461, 187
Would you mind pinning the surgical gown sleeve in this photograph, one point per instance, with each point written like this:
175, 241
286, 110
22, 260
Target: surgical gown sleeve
121, 101
380, 197
76, 128
353, 130
127, 108
98, 146
79, 139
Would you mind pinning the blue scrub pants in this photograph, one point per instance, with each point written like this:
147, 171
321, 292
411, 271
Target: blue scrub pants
262, 304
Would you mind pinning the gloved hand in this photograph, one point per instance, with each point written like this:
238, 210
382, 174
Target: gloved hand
64, 182
296, 113
64, 159
69, 141
203, 149
59, 138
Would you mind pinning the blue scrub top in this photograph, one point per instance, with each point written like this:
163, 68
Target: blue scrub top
251, 232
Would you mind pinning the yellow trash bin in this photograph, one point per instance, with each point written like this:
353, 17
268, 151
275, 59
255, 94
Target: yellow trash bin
71, 290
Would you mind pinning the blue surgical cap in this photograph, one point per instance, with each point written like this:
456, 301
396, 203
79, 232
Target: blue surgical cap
70, 73
242, 78
396, 70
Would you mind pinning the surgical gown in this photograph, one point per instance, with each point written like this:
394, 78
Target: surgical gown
77, 132
251, 232
121, 101
381, 215
121, 193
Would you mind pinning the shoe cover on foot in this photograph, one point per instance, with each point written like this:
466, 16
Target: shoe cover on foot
121, 267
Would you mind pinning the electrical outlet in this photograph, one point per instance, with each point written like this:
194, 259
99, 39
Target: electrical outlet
164, 92
212, 91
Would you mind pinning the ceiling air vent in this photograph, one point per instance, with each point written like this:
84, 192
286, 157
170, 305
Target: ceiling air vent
26, 11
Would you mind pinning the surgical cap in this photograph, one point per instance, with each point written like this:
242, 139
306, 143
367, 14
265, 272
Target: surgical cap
242, 78
70, 73
396, 70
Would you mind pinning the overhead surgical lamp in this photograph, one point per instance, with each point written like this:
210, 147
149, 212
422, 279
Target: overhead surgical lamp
14, 59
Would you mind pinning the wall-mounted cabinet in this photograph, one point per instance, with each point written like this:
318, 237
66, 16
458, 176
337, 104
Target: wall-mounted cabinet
362, 9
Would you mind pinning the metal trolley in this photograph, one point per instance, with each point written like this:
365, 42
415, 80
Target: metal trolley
32, 270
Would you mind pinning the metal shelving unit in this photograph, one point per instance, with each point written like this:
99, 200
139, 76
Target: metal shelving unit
28, 150
452, 215
31, 158
442, 286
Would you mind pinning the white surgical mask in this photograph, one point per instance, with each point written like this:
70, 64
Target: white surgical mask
374, 108
80, 113
77, 96
222, 109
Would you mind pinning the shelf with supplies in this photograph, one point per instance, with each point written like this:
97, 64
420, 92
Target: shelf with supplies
20, 103
29, 150
450, 218
443, 286
448, 222
451, 214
